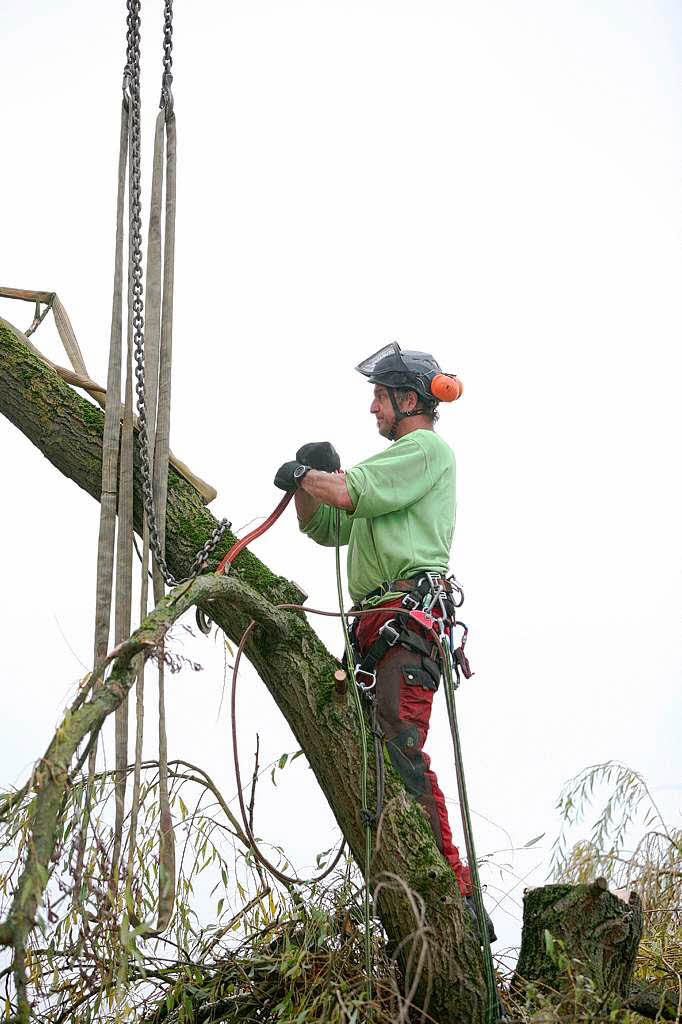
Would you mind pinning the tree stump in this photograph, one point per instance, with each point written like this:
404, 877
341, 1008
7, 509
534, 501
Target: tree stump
578, 931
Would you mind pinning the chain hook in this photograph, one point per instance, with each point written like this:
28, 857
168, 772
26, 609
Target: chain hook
166, 101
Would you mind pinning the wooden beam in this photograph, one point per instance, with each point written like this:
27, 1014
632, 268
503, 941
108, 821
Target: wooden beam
25, 295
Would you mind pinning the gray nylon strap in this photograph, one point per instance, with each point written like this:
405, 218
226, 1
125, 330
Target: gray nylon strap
139, 686
68, 337
152, 300
159, 445
124, 571
109, 498
151, 357
112, 422
167, 837
161, 448
158, 362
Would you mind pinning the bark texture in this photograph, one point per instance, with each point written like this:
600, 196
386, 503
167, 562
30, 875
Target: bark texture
584, 930
297, 670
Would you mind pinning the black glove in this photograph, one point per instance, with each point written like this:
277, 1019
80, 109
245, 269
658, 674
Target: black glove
285, 479
319, 455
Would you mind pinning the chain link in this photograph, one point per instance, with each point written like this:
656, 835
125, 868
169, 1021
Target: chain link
131, 85
167, 78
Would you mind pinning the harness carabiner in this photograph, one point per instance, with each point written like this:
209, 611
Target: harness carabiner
360, 671
389, 633
456, 589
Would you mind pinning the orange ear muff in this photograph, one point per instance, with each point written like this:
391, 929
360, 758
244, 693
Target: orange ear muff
446, 388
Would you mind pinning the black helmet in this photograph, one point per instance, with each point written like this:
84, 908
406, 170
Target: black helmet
414, 370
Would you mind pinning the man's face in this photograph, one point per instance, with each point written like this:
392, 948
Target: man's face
382, 408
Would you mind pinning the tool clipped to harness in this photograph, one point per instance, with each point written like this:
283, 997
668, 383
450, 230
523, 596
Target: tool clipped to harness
456, 591
460, 661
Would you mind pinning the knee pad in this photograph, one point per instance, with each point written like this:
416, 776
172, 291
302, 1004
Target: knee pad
408, 760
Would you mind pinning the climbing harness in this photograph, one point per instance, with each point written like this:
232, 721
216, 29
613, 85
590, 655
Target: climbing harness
422, 593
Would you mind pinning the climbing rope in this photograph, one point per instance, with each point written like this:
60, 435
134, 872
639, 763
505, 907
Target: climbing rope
280, 875
366, 814
492, 1009
367, 818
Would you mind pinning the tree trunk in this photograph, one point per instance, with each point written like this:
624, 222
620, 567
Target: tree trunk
584, 931
299, 673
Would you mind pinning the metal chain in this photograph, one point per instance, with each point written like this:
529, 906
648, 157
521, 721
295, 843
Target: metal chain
167, 79
131, 84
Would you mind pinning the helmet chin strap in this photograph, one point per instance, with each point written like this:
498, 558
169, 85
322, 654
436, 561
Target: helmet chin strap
399, 414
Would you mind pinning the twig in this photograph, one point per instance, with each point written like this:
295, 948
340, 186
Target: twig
254, 780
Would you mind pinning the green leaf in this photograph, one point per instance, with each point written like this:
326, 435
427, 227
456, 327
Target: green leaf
549, 943
532, 842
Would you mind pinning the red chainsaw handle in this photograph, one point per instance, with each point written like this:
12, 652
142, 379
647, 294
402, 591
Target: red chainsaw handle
241, 544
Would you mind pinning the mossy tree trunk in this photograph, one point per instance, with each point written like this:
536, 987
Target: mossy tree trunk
297, 670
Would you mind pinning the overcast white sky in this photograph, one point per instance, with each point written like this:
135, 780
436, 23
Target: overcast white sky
495, 182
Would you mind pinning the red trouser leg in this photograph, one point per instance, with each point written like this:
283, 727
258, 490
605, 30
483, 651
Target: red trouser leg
404, 695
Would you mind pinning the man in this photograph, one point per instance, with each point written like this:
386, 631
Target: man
397, 518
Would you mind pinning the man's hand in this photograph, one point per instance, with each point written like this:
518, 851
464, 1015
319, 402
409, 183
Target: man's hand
290, 474
319, 455
315, 475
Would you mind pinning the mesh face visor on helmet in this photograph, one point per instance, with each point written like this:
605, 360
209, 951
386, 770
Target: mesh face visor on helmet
390, 355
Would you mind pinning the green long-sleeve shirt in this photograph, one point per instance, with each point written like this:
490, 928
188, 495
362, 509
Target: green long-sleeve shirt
404, 513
